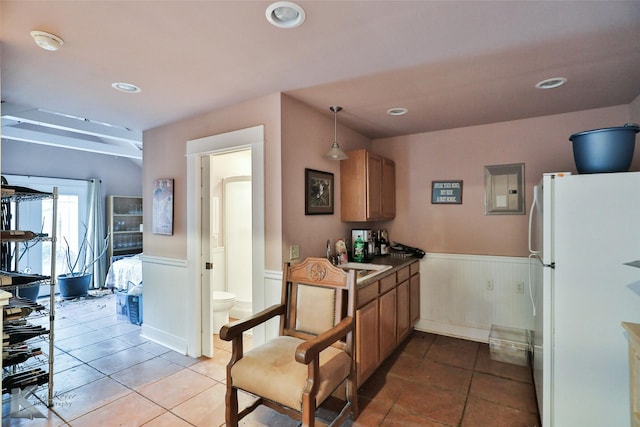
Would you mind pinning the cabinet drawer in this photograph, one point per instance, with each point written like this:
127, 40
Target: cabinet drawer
366, 294
403, 274
415, 268
387, 283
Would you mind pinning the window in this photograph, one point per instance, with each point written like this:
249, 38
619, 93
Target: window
36, 216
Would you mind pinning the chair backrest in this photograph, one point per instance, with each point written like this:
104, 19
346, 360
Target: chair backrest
318, 295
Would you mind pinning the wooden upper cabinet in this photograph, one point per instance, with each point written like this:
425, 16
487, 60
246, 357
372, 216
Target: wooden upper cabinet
374, 186
388, 188
367, 187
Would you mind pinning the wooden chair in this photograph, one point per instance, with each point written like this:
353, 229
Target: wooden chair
295, 372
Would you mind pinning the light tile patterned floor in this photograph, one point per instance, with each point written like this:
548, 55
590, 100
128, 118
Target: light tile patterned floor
107, 374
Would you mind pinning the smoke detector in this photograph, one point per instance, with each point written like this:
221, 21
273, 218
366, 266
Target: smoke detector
47, 41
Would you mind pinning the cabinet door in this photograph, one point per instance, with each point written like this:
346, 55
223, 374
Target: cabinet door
404, 318
366, 341
388, 189
374, 186
353, 187
414, 298
387, 323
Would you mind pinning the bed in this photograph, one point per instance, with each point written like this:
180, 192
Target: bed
124, 272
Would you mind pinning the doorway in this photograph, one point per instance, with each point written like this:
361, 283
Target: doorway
199, 220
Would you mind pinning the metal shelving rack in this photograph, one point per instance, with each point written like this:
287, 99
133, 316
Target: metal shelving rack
13, 247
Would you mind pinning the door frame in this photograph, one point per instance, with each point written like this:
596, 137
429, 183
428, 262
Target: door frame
198, 292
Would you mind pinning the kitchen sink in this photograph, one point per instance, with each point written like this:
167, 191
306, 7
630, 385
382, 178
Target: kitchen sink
365, 271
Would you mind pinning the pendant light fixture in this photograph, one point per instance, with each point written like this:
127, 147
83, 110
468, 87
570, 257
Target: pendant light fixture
335, 153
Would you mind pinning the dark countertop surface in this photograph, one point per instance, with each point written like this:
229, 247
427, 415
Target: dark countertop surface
396, 263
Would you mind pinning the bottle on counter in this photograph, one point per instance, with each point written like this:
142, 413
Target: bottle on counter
384, 244
341, 251
358, 250
376, 244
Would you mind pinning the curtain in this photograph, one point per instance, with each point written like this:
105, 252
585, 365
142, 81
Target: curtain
96, 233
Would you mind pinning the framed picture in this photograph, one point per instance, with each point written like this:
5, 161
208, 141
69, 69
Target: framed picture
446, 192
163, 206
504, 189
318, 192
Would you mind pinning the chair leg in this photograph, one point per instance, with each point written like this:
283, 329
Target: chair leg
352, 395
231, 413
308, 410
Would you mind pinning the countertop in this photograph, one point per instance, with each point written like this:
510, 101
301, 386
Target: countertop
396, 263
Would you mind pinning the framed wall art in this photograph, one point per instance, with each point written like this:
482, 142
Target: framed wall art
446, 192
163, 207
318, 192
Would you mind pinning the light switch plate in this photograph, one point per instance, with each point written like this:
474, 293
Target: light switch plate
294, 252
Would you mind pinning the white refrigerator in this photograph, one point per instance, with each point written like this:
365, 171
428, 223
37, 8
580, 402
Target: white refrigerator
583, 229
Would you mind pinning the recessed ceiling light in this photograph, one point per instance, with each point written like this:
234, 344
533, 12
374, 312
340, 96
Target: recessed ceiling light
285, 14
397, 111
126, 87
551, 83
47, 41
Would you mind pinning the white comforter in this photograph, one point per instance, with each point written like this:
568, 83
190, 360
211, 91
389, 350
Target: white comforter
125, 273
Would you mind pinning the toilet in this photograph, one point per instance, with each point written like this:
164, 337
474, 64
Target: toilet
222, 303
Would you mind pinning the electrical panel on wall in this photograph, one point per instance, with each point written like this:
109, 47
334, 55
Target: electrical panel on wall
504, 189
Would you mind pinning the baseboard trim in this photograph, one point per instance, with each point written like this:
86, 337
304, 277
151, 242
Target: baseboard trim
453, 330
160, 337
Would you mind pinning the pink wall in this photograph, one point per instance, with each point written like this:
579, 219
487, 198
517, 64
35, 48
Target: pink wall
298, 136
461, 154
306, 136
635, 110
164, 157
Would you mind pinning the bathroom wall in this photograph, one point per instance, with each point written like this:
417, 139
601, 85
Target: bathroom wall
238, 242
232, 265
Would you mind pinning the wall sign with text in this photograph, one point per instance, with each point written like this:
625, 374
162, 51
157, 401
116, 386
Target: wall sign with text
446, 192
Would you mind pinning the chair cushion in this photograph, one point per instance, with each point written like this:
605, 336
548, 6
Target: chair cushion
271, 371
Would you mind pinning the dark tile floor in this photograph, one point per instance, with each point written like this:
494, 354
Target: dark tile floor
439, 381
107, 374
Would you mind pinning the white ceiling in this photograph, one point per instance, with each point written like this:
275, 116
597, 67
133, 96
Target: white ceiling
451, 63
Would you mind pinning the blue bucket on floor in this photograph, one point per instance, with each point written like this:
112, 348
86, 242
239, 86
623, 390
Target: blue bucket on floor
30, 293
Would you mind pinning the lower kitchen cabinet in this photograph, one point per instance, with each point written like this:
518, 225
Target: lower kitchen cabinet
386, 311
633, 330
404, 311
387, 323
367, 325
414, 298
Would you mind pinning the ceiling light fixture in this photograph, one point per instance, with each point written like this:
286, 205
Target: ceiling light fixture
47, 41
126, 87
285, 14
397, 111
551, 83
335, 153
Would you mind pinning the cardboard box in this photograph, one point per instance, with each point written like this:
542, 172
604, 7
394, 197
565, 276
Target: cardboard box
134, 305
122, 309
509, 345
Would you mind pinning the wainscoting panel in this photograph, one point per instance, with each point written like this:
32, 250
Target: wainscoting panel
164, 281
272, 296
463, 295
